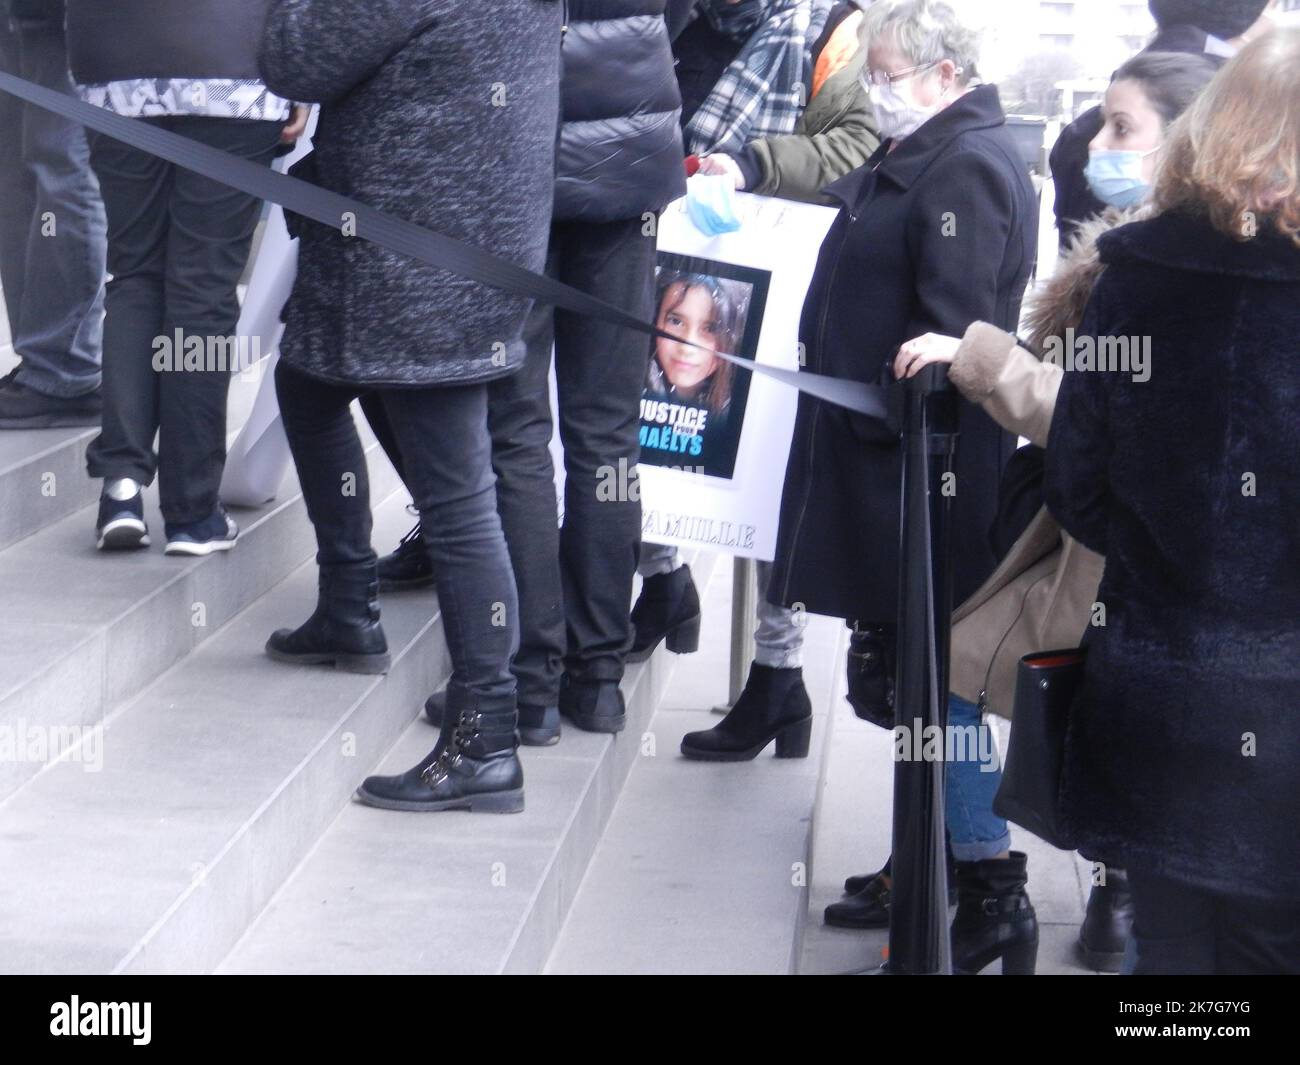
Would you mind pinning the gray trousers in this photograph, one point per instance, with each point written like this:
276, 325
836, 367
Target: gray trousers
52, 228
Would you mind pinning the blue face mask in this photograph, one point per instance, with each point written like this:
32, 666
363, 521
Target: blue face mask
1116, 177
711, 203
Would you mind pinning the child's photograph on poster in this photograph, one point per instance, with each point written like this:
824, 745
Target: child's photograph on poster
693, 405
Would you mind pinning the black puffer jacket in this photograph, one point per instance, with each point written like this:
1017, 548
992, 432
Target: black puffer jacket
620, 151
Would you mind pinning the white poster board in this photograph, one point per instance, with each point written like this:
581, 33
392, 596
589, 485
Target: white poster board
714, 437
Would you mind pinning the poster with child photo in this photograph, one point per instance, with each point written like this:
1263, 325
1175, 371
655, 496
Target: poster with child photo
693, 405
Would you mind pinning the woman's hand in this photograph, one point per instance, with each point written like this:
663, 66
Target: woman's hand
723, 164
297, 125
916, 355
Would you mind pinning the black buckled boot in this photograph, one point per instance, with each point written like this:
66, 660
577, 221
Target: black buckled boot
409, 567
871, 667
593, 705
773, 706
1107, 923
539, 726
344, 631
866, 902
474, 765
867, 898
994, 918
668, 608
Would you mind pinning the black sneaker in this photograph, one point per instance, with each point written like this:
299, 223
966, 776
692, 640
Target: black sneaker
408, 567
120, 526
217, 532
22, 408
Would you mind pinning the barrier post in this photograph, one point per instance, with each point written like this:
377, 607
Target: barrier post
918, 926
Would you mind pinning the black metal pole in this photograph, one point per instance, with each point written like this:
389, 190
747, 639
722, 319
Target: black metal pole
918, 926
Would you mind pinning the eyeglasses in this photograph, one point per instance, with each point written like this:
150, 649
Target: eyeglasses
881, 78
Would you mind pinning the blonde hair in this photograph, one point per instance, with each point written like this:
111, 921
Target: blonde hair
1234, 156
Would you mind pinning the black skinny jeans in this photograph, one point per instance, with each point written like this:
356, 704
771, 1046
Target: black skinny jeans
177, 245
575, 583
443, 434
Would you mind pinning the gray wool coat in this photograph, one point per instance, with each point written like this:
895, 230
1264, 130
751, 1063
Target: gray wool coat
443, 113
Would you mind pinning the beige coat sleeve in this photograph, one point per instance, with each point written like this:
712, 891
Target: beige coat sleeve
1016, 389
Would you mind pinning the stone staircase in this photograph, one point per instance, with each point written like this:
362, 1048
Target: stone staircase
172, 801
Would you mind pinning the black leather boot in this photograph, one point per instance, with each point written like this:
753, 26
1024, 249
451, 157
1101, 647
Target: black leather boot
344, 632
593, 705
1107, 923
474, 766
667, 608
871, 667
866, 904
409, 567
773, 706
539, 726
994, 918
867, 898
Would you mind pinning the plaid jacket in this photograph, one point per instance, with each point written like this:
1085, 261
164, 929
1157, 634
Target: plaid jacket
765, 88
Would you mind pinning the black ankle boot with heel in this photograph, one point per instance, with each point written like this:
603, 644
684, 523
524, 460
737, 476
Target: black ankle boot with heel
773, 706
995, 918
668, 608
474, 765
344, 631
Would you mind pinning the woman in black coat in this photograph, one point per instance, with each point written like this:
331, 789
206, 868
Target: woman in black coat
938, 230
445, 115
1183, 753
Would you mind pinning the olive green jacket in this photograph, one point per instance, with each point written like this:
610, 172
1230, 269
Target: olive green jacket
836, 134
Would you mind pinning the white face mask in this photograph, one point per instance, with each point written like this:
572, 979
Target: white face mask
897, 116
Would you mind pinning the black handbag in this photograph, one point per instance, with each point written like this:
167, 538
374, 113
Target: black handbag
1047, 684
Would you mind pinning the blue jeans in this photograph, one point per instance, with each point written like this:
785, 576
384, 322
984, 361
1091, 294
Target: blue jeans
975, 831
52, 228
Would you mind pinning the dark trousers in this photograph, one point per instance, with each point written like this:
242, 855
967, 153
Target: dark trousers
177, 245
575, 582
442, 432
1181, 930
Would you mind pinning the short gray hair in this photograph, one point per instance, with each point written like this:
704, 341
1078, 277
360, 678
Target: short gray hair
926, 31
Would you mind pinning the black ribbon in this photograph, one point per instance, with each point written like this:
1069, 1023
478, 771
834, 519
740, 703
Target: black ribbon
436, 249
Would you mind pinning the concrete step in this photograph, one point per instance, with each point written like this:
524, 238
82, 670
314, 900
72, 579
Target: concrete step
43, 471
704, 866
117, 623
458, 893
210, 787
42, 479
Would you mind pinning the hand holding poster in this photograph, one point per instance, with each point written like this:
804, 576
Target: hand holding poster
714, 438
